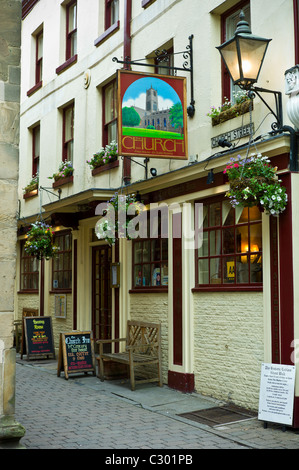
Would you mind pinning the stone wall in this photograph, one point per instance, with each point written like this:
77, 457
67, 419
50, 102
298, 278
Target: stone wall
229, 346
10, 29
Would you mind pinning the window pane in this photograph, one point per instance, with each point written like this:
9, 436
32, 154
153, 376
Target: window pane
72, 17
242, 244
215, 270
215, 214
164, 275
256, 274
242, 269
146, 275
39, 47
146, 251
215, 242
229, 270
138, 252
112, 132
156, 252
114, 11
254, 214
203, 271
255, 237
228, 236
156, 275
68, 123
110, 103
228, 213
203, 250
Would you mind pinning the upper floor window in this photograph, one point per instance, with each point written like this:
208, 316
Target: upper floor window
68, 133
231, 251
229, 22
35, 150
71, 30
39, 57
110, 113
62, 262
111, 12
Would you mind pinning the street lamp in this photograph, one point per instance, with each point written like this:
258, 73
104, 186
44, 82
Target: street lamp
244, 54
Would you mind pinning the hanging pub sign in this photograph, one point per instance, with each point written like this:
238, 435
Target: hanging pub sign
152, 115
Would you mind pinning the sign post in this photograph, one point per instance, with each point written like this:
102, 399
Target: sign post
76, 353
277, 393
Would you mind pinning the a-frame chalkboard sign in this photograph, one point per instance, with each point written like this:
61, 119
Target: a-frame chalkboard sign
76, 353
39, 337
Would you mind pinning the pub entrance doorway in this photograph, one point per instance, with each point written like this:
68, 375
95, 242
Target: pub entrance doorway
101, 293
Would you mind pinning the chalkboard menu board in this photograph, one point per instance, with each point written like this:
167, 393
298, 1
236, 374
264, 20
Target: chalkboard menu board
76, 353
39, 336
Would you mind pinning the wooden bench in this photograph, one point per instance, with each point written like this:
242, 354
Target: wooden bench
143, 347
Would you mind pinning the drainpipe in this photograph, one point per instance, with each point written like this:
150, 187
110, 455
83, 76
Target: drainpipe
127, 55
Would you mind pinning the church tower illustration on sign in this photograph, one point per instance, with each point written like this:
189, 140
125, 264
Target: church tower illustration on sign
151, 100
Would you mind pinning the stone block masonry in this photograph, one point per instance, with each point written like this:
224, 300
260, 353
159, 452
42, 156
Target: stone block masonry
10, 41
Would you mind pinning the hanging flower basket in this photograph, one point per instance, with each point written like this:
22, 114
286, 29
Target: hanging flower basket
39, 241
253, 182
110, 227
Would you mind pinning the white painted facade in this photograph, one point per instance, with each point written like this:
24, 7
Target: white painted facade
227, 335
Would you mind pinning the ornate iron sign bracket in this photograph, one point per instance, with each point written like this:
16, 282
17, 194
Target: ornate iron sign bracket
164, 56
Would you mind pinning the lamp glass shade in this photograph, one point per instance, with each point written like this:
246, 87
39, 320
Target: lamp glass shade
243, 56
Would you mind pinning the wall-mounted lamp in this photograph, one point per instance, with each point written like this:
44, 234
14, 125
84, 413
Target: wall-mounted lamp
224, 143
243, 56
210, 178
153, 171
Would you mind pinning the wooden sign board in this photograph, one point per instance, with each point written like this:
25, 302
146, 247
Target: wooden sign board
76, 353
277, 393
27, 312
39, 336
152, 117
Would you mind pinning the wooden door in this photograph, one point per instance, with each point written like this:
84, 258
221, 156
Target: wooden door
101, 292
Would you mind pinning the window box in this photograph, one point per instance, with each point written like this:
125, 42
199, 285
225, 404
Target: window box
35, 88
62, 181
234, 111
32, 193
106, 167
106, 34
66, 64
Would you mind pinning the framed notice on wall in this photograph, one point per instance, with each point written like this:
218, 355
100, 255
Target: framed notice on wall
152, 115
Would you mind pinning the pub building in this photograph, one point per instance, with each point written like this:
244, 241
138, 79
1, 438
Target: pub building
227, 304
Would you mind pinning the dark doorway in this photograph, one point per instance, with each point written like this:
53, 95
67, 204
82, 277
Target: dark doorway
101, 293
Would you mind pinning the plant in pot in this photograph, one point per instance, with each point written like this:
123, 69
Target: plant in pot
32, 185
104, 156
65, 169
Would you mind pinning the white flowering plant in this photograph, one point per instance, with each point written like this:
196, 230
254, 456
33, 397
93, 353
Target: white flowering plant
254, 182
